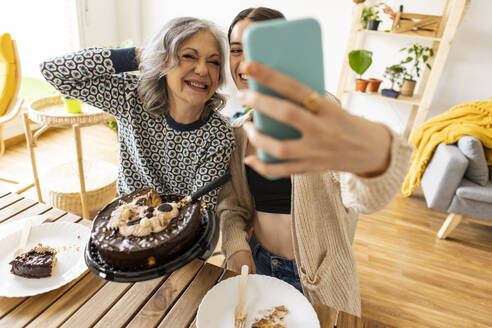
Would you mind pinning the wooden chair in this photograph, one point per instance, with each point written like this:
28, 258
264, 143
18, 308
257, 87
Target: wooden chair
8, 63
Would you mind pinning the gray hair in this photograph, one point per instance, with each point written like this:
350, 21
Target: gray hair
162, 49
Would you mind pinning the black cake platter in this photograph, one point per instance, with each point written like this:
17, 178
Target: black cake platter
201, 249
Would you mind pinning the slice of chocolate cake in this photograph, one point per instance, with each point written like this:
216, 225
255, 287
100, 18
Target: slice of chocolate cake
135, 232
38, 262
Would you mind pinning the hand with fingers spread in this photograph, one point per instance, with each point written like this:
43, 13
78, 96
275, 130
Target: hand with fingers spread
332, 139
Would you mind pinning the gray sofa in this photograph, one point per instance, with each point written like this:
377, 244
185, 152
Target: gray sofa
457, 180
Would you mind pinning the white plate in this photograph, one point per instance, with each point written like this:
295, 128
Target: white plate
10, 227
217, 307
68, 238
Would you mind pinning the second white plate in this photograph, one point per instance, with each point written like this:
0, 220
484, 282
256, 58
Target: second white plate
68, 238
217, 307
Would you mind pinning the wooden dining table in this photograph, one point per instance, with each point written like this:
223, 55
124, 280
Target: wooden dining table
89, 301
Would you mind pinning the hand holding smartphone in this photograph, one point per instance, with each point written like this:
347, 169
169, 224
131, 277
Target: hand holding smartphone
290, 47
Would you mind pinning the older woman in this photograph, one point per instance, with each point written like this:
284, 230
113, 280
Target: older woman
303, 224
172, 137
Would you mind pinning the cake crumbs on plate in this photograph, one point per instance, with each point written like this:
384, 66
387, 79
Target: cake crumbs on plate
271, 318
65, 248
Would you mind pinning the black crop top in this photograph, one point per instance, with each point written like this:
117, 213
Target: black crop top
271, 196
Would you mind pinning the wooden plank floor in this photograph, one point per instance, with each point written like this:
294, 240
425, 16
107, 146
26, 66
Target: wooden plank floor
408, 278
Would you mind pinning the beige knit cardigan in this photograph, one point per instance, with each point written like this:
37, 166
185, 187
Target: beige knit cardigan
322, 207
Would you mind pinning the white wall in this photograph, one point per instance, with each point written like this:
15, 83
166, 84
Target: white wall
99, 22
157, 12
465, 76
42, 29
463, 79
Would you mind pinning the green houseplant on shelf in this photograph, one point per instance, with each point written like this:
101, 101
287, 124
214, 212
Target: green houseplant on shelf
370, 17
359, 61
373, 85
394, 73
417, 57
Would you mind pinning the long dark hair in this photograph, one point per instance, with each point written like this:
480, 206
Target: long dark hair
257, 14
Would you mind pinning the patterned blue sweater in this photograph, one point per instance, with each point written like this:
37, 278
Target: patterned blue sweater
155, 151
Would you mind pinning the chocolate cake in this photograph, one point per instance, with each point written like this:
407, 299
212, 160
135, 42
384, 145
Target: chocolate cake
139, 230
38, 262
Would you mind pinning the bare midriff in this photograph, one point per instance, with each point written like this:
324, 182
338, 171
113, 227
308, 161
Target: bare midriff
273, 231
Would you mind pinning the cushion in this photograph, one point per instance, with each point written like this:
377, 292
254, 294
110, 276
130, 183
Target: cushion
477, 170
470, 190
7, 71
471, 208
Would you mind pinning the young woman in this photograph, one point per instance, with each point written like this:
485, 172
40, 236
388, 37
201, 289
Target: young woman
171, 136
303, 224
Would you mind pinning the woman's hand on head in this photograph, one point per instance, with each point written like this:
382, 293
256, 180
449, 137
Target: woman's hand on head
332, 138
238, 259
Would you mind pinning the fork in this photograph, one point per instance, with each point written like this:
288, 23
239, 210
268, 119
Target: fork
240, 312
24, 237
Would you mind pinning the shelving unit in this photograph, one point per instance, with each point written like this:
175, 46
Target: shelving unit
399, 35
441, 44
415, 100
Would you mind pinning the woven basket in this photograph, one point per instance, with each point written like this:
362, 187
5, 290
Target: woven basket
61, 185
51, 111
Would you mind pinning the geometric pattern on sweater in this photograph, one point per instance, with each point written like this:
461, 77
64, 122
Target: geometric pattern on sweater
155, 151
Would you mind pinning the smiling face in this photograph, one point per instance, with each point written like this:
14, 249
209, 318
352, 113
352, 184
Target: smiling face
196, 77
236, 56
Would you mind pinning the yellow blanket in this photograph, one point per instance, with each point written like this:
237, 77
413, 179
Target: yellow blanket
472, 118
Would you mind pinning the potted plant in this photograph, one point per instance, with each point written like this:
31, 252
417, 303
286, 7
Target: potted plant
373, 85
370, 17
417, 55
359, 61
72, 105
394, 73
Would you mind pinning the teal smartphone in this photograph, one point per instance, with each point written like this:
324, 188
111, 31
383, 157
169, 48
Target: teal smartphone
290, 47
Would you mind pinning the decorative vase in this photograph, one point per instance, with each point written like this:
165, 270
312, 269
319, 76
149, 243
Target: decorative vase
373, 24
373, 85
73, 106
361, 85
390, 93
408, 87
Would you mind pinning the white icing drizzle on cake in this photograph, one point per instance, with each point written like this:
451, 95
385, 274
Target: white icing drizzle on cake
157, 221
